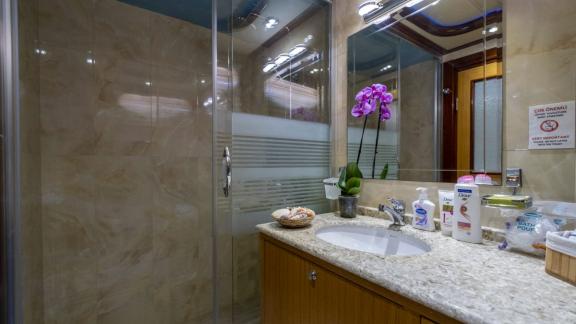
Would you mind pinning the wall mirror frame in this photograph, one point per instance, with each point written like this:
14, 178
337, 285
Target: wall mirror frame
442, 63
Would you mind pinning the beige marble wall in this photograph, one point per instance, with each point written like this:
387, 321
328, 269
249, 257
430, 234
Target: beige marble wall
417, 83
540, 67
30, 153
125, 167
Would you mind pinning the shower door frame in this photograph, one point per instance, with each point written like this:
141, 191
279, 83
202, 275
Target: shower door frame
11, 306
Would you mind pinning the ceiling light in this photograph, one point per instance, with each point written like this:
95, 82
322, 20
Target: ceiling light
297, 50
412, 3
271, 22
493, 29
90, 60
148, 83
268, 67
387, 67
367, 7
202, 81
40, 51
281, 59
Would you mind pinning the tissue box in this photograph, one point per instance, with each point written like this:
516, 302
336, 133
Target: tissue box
561, 256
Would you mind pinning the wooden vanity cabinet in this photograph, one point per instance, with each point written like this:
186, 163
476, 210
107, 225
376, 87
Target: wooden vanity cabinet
300, 288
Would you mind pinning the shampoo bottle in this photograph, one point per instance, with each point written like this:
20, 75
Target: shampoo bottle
423, 212
466, 222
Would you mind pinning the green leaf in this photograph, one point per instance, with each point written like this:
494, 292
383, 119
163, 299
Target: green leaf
354, 191
353, 183
353, 171
384, 172
342, 180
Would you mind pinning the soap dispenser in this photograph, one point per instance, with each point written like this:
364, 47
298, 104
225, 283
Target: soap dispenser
423, 211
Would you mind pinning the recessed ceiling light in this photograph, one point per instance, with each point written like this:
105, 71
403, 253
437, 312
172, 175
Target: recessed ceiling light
367, 7
271, 22
493, 29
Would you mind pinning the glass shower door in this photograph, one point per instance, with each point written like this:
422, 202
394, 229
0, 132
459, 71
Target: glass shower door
115, 159
274, 116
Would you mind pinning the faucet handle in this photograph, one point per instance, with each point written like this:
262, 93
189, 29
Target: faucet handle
398, 205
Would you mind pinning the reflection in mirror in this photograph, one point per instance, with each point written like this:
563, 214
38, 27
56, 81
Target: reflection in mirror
442, 61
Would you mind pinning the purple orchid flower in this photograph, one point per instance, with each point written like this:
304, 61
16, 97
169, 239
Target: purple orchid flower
369, 99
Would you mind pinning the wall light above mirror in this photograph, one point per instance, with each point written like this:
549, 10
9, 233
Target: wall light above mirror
442, 62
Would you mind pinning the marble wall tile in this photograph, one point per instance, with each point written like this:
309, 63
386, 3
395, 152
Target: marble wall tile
30, 166
416, 131
121, 145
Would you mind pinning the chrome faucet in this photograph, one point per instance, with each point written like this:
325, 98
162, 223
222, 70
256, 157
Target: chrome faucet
396, 212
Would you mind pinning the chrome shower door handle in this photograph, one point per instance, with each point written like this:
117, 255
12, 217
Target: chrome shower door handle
226, 171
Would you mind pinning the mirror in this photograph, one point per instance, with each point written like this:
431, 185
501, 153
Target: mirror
442, 63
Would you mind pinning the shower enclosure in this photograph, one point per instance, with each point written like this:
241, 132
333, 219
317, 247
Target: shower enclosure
119, 202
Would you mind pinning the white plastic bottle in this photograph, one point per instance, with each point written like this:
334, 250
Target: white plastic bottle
466, 222
446, 207
423, 211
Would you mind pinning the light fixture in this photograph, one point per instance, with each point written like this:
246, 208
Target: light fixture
381, 19
207, 102
202, 81
297, 50
268, 67
40, 51
412, 3
281, 59
271, 22
367, 7
493, 29
380, 11
308, 38
90, 60
385, 68
148, 83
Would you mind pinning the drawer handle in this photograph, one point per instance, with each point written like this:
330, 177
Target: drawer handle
313, 275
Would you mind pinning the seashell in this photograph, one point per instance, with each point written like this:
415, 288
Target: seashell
294, 216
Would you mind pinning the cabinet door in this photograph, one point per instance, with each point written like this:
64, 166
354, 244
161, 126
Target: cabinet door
285, 286
337, 300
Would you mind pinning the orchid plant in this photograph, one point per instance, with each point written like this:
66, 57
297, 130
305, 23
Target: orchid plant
369, 100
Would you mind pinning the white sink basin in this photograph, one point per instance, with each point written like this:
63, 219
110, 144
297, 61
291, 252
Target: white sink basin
377, 240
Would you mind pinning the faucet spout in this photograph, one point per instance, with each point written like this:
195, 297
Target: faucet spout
396, 212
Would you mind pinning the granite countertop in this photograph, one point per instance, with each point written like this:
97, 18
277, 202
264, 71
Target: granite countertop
473, 283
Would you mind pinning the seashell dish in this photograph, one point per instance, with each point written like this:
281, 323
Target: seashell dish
294, 217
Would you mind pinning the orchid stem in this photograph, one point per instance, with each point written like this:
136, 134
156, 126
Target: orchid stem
361, 140
376, 146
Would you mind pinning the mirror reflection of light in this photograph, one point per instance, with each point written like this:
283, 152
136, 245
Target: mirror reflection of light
142, 105
289, 95
412, 3
281, 59
268, 67
367, 7
382, 19
297, 50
